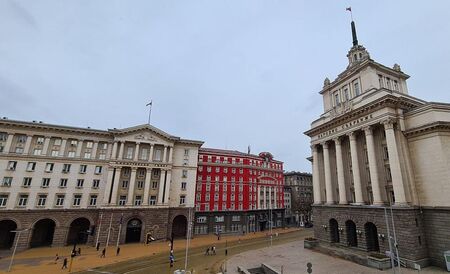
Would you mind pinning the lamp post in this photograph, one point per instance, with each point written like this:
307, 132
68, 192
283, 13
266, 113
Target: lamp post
15, 246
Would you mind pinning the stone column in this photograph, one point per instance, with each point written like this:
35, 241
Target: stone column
316, 179
136, 151
114, 151
340, 173
9, 140
270, 197
79, 148
120, 156
108, 186
355, 169
150, 157
115, 186
373, 166
170, 154
148, 181
164, 155
62, 148
130, 197
166, 198
45, 147
258, 197
265, 197
161, 187
27, 148
394, 163
94, 151
328, 183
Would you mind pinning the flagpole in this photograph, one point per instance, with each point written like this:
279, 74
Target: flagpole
120, 229
109, 230
99, 228
150, 110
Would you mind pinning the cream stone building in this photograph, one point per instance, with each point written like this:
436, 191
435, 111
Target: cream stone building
68, 184
375, 146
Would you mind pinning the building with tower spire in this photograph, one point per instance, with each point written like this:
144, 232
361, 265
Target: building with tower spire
381, 164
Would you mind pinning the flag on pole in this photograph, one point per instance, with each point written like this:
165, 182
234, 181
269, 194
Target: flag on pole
349, 9
149, 104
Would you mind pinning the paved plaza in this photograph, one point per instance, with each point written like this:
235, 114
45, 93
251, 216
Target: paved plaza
293, 258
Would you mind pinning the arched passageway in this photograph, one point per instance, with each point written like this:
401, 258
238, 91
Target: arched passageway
134, 227
43, 231
179, 226
6, 236
334, 231
352, 239
78, 231
371, 237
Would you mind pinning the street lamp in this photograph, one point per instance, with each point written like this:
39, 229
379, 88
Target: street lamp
15, 246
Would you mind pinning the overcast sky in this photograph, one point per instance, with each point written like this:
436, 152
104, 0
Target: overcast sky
230, 73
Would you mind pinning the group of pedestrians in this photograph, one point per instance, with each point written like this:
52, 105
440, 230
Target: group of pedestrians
78, 253
210, 251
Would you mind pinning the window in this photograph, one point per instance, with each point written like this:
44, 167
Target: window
66, 168
138, 200
395, 85
71, 154
124, 184
157, 155
45, 182
12, 165
144, 153
185, 173
98, 169
73, 143
49, 167
7, 181
83, 168
63, 183
3, 136
60, 199
385, 153
122, 200
19, 150
129, 154
102, 155
200, 168
202, 219
356, 88
346, 94
26, 182
152, 200
225, 170
336, 99
182, 199
236, 218
208, 169
89, 144
95, 183
154, 185
87, 155
380, 80
186, 152
183, 185
93, 200
57, 142
3, 200
23, 199
388, 83
219, 219
80, 183
55, 153
37, 151
21, 139
156, 172
42, 198
76, 200
140, 184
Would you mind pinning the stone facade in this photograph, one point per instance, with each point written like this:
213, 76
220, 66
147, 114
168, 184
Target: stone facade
376, 146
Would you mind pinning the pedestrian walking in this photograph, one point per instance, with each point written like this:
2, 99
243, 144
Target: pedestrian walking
79, 251
207, 251
213, 248
98, 246
103, 253
56, 258
171, 259
118, 251
64, 266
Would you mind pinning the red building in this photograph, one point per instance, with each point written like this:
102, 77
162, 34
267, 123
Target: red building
238, 192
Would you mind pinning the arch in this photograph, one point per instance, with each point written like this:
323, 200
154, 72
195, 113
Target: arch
43, 231
6, 236
371, 237
77, 231
134, 228
334, 231
352, 240
179, 226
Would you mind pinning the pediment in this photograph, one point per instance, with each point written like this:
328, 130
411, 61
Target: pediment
144, 133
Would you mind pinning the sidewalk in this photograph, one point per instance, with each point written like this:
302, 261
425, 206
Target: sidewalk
42, 260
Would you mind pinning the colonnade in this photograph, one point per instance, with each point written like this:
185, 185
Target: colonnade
394, 163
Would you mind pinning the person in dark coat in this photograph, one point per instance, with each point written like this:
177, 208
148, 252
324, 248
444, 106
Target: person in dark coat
118, 251
103, 253
64, 266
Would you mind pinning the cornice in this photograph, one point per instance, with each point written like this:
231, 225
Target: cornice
438, 126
